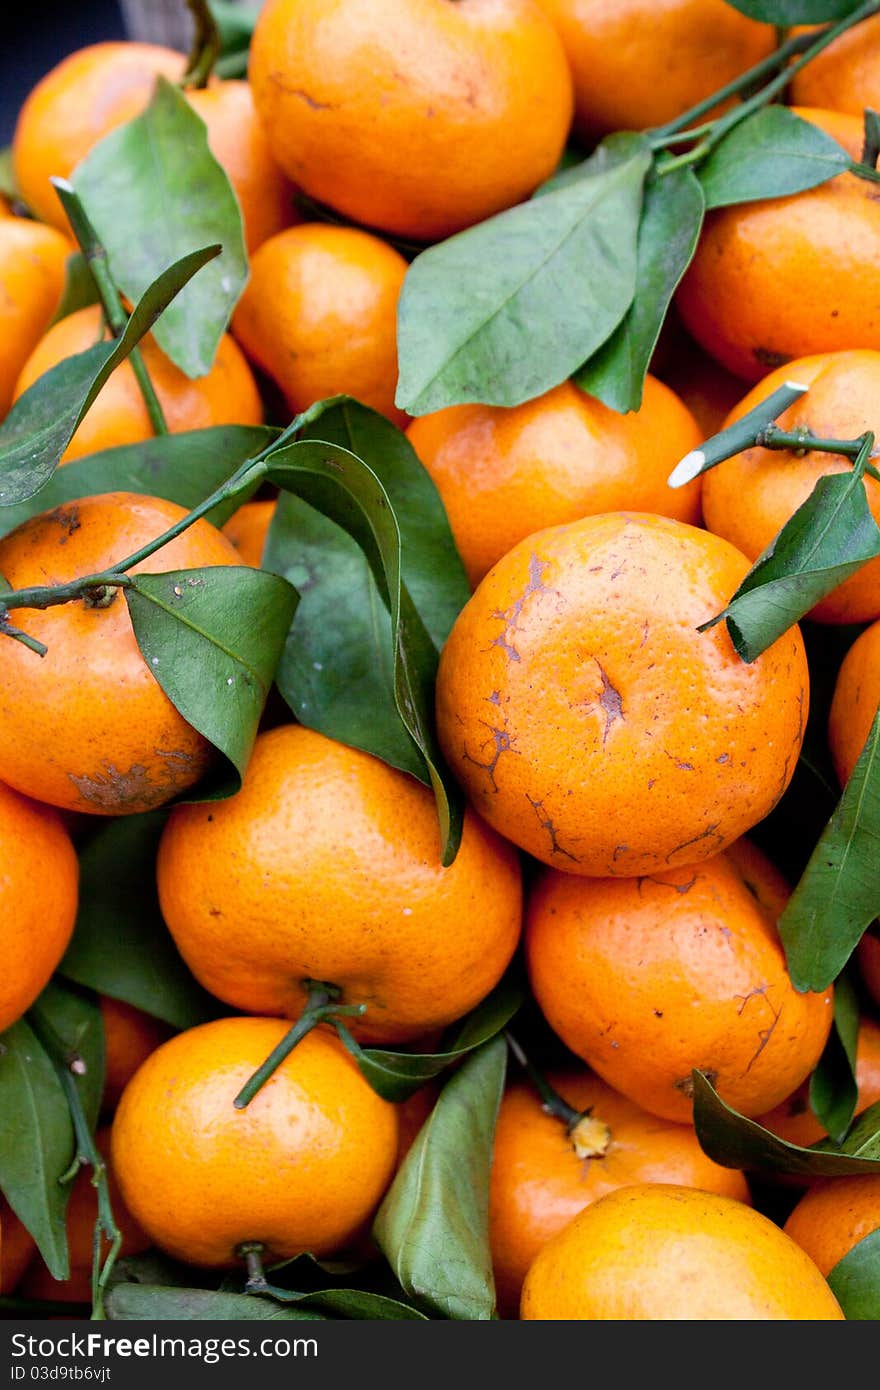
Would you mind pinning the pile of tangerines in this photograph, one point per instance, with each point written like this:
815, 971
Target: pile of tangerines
633, 789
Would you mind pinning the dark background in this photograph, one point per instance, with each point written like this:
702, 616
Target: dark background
36, 34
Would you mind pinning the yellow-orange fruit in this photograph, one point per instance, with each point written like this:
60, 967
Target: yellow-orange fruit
661, 1253
302, 1167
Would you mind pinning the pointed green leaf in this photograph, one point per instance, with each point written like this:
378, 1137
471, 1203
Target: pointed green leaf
786, 12
770, 155
833, 1090
43, 420
838, 895
154, 192
74, 1018
828, 538
38, 1148
511, 307
396, 1075
343, 488
212, 638
672, 216
736, 1142
433, 1225
182, 468
143, 1302
121, 945
855, 1280
337, 669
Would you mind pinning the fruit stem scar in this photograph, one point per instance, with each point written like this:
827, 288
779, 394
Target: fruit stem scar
322, 1007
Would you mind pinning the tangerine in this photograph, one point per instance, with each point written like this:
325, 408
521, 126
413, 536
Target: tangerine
416, 117
591, 723
319, 315
88, 727
504, 473
303, 1167
661, 1252
226, 395
326, 867
648, 978
787, 277
39, 882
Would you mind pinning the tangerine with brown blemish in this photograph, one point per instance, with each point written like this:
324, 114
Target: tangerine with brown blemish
592, 724
418, 117
504, 473
647, 978
543, 1174
302, 1167
661, 1252
87, 727
326, 867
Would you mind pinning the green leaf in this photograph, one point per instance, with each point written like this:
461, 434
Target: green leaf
359, 1303
431, 566
838, 895
770, 155
74, 1018
855, 1280
38, 1148
786, 12
43, 420
833, 1090
79, 289
736, 1142
121, 945
396, 1075
511, 307
212, 638
828, 538
337, 669
136, 1302
183, 468
155, 192
344, 488
433, 1224
672, 216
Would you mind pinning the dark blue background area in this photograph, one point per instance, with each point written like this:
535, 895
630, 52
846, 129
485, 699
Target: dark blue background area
35, 36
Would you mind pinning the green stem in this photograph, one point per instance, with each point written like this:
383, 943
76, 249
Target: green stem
321, 1008
49, 596
32, 643
67, 1066
206, 46
251, 1251
550, 1098
96, 258
660, 135
762, 97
